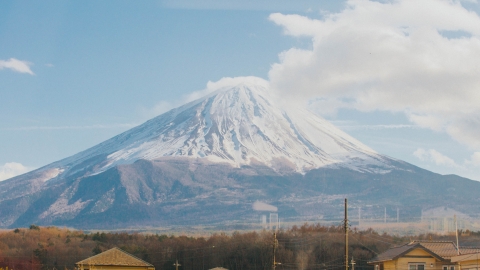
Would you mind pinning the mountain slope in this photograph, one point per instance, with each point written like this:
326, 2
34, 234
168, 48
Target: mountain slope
185, 191
237, 125
210, 160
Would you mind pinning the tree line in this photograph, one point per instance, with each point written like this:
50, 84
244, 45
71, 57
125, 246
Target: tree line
311, 246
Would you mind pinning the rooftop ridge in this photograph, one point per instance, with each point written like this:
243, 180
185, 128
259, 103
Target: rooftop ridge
431, 242
89, 259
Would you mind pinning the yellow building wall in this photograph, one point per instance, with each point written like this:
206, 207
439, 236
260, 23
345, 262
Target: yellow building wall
389, 265
403, 262
418, 252
470, 264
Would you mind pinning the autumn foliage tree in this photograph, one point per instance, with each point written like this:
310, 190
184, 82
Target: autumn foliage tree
310, 246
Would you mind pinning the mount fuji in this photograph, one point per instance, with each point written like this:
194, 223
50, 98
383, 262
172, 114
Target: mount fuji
212, 160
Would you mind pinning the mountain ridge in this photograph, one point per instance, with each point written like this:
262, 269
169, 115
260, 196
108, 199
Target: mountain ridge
215, 137
210, 160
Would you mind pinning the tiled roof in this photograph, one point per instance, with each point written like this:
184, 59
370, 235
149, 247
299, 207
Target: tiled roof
467, 254
392, 253
444, 249
440, 249
469, 250
114, 256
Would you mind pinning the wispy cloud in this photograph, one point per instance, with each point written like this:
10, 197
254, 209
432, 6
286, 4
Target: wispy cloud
432, 155
375, 127
468, 167
226, 82
164, 106
69, 127
474, 160
161, 107
12, 169
16, 65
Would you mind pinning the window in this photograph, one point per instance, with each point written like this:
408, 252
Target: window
417, 266
448, 267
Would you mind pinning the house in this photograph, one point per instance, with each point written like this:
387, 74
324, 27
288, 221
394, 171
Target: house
114, 258
468, 260
426, 255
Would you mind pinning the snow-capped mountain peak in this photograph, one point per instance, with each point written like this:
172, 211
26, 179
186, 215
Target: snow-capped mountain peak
240, 125
217, 154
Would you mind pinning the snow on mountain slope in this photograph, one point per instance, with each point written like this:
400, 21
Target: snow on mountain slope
238, 124
188, 163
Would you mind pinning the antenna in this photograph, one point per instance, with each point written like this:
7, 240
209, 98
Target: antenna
456, 233
176, 264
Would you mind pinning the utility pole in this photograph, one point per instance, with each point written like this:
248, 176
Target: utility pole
176, 264
275, 243
345, 227
398, 215
352, 262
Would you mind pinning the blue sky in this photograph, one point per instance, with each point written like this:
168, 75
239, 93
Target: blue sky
75, 73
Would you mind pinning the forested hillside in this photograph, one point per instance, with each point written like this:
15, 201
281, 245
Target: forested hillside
305, 247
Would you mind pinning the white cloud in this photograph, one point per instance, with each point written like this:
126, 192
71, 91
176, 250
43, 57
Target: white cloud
16, 65
389, 56
11, 169
436, 157
261, 206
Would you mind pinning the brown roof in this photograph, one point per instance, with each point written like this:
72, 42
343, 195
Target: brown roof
114, 256
469, 250
472, 255
392, 253
444, 249
441, 250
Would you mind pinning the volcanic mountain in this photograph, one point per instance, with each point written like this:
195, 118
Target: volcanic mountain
211, 161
